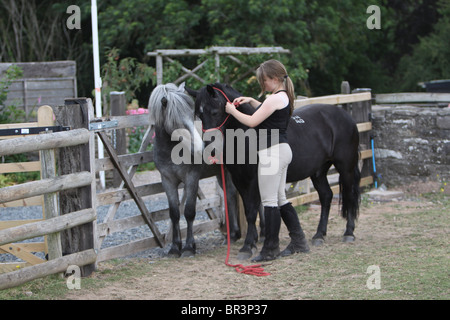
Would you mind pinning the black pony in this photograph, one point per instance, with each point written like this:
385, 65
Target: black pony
319, 135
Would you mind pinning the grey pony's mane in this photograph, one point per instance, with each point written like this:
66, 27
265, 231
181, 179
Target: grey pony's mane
178, 112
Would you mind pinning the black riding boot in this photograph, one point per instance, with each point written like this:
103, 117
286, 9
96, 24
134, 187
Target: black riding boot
271, 247
298, 239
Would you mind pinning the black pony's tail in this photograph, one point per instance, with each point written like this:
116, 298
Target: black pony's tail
350, 196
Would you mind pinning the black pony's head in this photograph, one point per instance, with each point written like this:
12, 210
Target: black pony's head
210, 103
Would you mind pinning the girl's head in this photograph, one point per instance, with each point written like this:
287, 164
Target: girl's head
275, 70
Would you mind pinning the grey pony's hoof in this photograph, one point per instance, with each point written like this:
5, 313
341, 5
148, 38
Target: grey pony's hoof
348, 239
317, 242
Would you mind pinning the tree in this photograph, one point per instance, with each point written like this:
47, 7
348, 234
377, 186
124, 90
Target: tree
430, 58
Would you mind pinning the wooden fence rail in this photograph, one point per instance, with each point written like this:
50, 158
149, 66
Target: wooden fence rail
16, 278
40, 187
44, 142
41, 228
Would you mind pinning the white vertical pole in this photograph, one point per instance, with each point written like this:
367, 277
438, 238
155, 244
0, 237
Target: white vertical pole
98, 81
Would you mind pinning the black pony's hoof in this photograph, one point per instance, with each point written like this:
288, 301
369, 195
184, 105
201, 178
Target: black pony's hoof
188, 254
348, 239
246, 254
317, 242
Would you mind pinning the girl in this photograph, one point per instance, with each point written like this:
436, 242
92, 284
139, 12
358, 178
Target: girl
273, 115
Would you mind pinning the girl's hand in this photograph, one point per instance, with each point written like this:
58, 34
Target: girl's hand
229, 107
241, 100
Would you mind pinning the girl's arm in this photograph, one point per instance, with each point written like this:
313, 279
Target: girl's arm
253, 102
267, 108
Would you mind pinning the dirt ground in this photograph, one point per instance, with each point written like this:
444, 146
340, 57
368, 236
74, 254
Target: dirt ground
296, 277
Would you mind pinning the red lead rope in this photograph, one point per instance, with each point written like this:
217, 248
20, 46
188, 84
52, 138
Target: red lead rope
254, 270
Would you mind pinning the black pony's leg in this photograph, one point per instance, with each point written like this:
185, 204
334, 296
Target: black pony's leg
349, 183
249, 247
171, 189
233, 206
322, 186
191, 189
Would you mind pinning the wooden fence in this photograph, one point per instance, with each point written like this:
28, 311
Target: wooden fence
53, 223
23, 250
74, 220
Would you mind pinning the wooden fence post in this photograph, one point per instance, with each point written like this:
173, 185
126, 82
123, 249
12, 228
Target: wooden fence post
118, 139
361, 112
48, 171
77, 113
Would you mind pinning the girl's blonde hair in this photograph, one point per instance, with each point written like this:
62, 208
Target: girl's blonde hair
275, 69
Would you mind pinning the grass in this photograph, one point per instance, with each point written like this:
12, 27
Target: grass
408, 241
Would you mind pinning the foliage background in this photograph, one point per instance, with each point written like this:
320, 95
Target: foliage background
329, 40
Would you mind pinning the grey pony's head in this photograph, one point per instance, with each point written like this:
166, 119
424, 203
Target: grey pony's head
171, 107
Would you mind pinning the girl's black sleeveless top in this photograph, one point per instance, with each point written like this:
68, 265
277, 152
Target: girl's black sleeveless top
277, 120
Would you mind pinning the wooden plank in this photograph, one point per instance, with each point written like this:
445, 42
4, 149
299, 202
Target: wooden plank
44, 186
129, 121
334, 99
216, 49
45, 95
130, 186
21, 254
21, 276
12, 266
364, 126
38, 229
246, 50
18, 125
127, 249
126, 160
118, 196
365, 154
29, 246
30, 166
44, 141
412, 97
28, 202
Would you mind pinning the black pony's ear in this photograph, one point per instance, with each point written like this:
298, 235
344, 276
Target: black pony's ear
164, 102
193, 93
211, 90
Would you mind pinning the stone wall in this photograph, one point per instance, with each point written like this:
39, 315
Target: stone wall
412, 144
